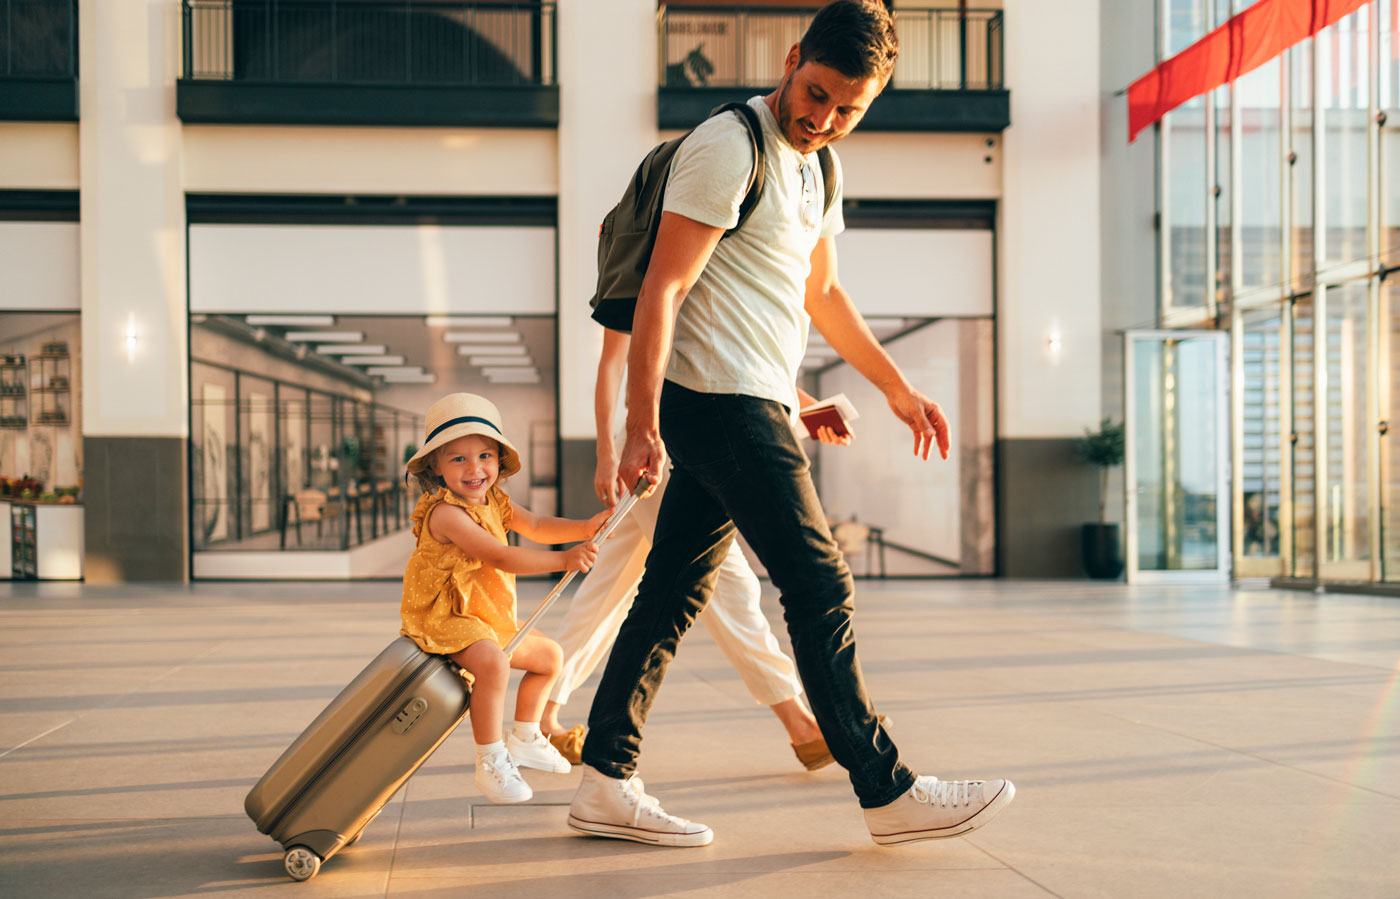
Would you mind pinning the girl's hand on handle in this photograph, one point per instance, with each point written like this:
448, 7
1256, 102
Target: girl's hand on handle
595, 524
581, 557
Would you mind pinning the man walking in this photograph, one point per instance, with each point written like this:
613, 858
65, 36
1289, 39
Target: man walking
718, 333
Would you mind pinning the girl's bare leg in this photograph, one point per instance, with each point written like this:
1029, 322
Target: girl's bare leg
540, 658
490, 670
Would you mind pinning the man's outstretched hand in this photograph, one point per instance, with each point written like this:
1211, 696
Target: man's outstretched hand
924, 418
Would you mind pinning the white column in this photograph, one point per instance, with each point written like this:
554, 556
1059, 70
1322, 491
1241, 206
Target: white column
1049, 234
607, 122
133, 221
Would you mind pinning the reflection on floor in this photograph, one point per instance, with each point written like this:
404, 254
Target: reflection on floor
1165, 742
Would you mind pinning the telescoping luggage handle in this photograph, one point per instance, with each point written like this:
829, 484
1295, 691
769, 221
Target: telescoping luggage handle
613, 520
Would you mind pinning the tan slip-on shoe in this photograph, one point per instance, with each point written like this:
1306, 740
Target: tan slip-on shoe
570, 744
816, 755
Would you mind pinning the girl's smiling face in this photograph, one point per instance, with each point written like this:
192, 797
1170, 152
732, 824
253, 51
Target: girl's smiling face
468, 466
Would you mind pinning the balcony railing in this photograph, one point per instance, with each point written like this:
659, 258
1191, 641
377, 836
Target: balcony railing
39, 60
369, 62
949, 75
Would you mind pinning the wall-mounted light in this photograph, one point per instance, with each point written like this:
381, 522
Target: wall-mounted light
131, 338
1054, 344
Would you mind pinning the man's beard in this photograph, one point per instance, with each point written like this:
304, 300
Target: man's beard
789, 128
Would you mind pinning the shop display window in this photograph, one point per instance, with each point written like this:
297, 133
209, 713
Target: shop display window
40, 397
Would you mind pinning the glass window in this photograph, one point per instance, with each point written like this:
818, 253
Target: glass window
1346, 531
1184, 182
1390, 133
1302, 439
1261, 470
1222, 192
214, 446
1260, 187
321, 441
41, 441
1300, 162
1390, 454
1175, 442
257, 422
1186, 24
1343, 92
292, 430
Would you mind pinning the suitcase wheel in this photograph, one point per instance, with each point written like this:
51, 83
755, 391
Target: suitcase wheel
301, 863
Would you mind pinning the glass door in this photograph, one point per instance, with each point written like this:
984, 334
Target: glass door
1176, 468
1259, 499
1302, 442
1345, 528
1388, 375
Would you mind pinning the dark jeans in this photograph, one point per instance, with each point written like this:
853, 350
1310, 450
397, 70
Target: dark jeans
737, 462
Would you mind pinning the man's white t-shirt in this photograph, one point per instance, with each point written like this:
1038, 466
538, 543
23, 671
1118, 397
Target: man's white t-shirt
743, 328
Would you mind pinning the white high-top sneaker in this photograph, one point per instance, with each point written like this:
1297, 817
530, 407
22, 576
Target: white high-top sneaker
607, 807
538, 753
498, 779
936, 809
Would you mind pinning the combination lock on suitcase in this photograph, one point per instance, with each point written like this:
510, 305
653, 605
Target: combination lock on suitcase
332, 781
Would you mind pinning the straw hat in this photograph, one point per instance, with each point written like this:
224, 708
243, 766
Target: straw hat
459, 415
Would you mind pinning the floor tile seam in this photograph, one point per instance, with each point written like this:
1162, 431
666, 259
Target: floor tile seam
1259, 758
1010, 867
1271, 650
641, 870
113, 701
1177, 635
398, 833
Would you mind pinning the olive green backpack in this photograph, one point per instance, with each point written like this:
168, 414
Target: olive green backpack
628, 233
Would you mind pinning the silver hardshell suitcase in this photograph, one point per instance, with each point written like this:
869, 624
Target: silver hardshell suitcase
331, 782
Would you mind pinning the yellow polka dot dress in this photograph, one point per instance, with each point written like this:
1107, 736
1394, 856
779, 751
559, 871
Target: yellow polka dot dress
450, 599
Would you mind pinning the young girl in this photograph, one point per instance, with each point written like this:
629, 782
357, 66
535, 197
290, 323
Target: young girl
459, 587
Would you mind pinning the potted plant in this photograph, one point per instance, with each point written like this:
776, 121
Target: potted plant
1102, 543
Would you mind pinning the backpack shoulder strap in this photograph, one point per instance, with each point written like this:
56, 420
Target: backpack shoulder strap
755, 189
828, 164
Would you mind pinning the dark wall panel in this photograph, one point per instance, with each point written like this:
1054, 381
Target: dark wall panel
1046, 495
136, 522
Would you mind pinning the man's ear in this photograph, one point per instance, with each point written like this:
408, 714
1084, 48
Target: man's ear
794, 56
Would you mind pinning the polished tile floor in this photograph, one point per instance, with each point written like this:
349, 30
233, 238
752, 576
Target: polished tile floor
1174, 742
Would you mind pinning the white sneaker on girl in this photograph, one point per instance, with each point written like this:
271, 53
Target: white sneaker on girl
499, 781
538, 753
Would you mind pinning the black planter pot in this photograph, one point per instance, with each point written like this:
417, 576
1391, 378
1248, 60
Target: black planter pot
1103, 550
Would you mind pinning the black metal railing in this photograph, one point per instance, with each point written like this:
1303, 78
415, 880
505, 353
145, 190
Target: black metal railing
418, 42
38, 39
739, 46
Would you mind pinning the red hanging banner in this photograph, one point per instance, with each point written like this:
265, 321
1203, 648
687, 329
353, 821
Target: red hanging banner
1236, 48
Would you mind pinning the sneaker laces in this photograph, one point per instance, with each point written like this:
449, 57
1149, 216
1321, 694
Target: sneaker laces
501, 766
645, 803
945, 793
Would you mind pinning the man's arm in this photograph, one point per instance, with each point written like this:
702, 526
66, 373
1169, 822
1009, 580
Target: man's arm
838, 321
683, 248
611, 364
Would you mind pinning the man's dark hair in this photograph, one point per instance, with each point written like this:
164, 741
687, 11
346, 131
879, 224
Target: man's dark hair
854, 37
